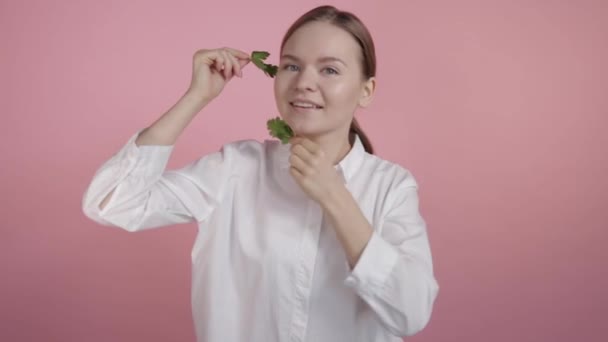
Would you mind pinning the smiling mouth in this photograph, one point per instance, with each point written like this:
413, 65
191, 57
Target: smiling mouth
304, 105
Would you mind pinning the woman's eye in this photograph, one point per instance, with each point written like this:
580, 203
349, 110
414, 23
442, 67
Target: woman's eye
291, 67
330, 71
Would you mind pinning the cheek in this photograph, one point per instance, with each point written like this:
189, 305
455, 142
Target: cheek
277, 90
281, 92
275, 86
342, 93
280, 87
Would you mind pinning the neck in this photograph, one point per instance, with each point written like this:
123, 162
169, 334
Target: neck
335, 146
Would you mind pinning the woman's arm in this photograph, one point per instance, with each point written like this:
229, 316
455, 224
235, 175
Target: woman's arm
391, 266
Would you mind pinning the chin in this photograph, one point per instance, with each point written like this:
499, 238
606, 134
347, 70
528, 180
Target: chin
300, 129
308, 132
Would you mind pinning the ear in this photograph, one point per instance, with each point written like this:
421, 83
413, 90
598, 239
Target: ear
367, 92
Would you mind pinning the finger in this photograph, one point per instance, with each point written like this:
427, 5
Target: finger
239, 54
299, 164
296, 174
244, 62
212, 58
312, 147
236, 66
301, 152
227, 65
205, 56
242, 57
218, 63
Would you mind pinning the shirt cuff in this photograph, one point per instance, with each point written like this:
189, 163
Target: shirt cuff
373, 267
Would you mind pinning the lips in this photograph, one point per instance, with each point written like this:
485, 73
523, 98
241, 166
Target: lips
305, 104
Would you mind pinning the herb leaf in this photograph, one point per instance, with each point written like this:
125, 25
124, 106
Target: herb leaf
279, 129
258, 57
276, 126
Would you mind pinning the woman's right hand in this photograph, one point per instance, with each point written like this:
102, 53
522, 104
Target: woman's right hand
212, 69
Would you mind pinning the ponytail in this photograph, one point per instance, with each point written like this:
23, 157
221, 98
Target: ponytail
355, 128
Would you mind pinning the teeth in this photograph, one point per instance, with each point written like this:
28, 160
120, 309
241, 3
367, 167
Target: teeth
304, 105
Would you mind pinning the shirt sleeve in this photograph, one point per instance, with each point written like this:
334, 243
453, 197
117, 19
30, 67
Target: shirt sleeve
394, 274
148, 196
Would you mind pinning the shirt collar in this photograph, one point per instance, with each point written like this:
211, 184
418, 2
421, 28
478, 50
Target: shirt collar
348, 166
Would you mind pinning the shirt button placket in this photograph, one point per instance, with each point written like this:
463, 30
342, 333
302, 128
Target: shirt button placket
304, 273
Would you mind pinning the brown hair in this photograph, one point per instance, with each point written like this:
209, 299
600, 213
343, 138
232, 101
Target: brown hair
353, 25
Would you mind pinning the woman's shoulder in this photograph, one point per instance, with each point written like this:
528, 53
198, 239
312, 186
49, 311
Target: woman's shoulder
252, 150
252, 146
395, 172
255, 152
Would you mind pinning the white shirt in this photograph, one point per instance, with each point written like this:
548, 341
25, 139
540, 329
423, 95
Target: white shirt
266, 264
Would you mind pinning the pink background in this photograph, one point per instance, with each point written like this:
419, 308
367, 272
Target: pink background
498, 107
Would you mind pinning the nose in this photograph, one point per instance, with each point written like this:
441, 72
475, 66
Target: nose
306, 80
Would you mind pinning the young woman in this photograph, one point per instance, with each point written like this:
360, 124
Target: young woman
314, 240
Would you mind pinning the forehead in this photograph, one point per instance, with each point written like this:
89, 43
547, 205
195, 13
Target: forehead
322, 39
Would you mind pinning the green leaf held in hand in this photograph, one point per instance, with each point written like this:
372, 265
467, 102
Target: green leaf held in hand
258, 57
279, 129
276, 127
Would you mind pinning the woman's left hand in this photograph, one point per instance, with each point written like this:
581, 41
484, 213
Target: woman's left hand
312, 170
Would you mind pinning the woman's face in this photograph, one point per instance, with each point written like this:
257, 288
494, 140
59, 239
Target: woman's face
320, 83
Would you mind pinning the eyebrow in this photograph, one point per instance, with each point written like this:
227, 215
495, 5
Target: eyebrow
322, 59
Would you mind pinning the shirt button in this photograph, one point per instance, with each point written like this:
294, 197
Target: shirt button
351, 281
